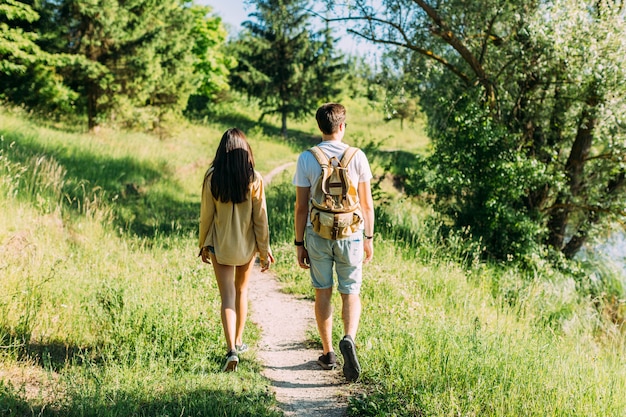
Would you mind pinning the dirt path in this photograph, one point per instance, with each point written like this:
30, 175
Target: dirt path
267, 178
302, 388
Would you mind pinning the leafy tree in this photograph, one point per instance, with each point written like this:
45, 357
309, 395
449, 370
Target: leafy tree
135, 55
27, 73
284, 62
525, 103
403, 108
362, 80
212, 64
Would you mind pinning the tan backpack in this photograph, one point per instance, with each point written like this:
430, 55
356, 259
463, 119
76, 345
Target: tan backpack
334, 205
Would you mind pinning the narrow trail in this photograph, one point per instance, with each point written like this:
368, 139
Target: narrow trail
267, 178
301, 387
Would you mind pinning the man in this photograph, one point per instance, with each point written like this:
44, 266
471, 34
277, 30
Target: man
347, 255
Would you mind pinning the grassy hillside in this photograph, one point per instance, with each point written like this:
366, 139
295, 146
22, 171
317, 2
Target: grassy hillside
105, 309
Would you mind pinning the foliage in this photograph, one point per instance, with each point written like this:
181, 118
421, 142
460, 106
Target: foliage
400, 93
128, 64
285, 63
25, 69
531, 95
134, 55
362, 80
480, 182
212, 64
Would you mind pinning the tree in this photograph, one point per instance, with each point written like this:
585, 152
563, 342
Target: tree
400, 89
134, 55
362, 80
18, 50
284, 63
27, 73
525, 103
212, 64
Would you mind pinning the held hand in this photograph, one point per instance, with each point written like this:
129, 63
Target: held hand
303, 258
265, 265
368, 248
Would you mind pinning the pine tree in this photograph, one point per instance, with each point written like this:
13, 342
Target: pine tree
284, 63
135, 55
27, 73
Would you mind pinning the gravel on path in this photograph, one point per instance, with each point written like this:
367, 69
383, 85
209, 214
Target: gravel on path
301, 387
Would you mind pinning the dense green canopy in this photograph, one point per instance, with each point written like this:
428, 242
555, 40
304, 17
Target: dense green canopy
117, 62
525, 102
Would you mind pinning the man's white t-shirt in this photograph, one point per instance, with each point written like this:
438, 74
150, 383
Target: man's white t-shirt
308, 169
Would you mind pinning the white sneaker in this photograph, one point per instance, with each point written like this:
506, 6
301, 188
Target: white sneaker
232, 360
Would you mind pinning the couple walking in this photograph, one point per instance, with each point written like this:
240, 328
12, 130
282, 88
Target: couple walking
234, 228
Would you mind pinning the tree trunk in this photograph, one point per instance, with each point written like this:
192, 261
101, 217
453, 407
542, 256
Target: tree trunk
575, 169
92, 100
283, 129
580, 149
557, 222
579, 239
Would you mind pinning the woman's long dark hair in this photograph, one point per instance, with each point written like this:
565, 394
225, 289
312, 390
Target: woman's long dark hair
233, 168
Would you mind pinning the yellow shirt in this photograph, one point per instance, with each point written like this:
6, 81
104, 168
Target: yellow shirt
236, 231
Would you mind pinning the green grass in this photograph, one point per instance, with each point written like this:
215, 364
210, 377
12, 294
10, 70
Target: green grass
435, 341
102, 290
452, 349
105, 309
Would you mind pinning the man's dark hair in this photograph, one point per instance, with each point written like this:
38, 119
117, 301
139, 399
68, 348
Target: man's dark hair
329, 117
233, 168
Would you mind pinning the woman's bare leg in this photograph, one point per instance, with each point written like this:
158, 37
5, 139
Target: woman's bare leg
242, 277
225, 275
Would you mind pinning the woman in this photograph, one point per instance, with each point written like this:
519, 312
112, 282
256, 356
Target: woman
233, 229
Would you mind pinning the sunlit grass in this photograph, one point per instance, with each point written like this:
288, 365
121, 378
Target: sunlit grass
106, 310
438, 339
124, 324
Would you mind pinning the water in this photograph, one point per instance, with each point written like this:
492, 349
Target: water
614, 249
611, 252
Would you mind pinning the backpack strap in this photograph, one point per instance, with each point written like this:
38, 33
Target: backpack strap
348, 155
321, 157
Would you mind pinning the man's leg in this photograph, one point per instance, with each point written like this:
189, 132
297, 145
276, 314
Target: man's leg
324, 317
349, 272
351, 313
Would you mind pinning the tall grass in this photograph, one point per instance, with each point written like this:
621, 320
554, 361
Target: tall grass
436, 339
443, 333
448, 347
105, 309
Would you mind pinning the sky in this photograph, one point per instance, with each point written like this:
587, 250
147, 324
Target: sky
233, 12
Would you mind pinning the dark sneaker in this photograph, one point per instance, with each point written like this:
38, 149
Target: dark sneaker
232, 360
241, 348
351, 367
328, 361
